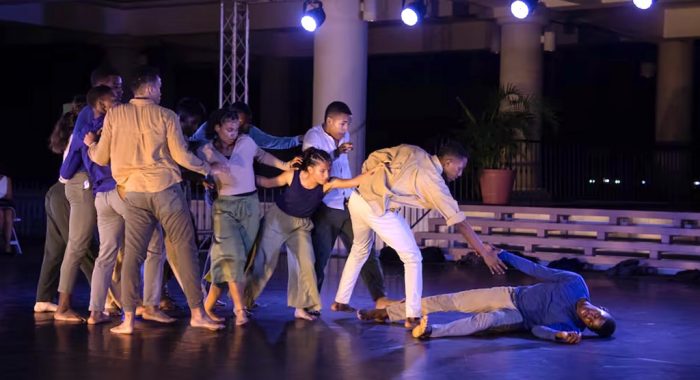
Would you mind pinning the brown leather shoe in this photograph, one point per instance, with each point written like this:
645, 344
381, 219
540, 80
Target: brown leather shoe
376, 315
336, 306
411, 323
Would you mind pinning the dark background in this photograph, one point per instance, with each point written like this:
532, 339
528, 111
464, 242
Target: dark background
596, 89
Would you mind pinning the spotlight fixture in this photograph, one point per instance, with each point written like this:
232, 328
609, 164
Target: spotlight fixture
313, 16
522, 8
643, 4
412, 11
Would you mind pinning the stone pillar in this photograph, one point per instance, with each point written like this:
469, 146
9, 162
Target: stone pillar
340, 69
521, 66
674, 92
674, 112
521, 58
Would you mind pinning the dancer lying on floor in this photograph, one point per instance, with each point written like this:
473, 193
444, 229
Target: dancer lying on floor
409, 177
557, 309
288, 222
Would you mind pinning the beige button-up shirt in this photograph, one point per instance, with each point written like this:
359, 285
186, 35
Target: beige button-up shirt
143, 143
411, 177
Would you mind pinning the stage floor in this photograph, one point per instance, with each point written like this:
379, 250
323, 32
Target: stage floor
658, 335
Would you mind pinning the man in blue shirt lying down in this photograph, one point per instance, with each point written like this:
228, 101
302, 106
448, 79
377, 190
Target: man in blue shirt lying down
557, 309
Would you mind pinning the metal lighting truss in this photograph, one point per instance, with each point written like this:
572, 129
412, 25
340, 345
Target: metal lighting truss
233, 52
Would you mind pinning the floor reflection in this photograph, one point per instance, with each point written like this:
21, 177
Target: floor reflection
657, 336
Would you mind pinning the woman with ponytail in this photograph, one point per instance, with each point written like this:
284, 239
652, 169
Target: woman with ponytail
288, 222
236, 210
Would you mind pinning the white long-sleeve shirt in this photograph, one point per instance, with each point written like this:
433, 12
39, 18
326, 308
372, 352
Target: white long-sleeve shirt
318, 138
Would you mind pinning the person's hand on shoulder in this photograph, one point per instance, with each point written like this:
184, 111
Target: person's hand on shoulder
294, 163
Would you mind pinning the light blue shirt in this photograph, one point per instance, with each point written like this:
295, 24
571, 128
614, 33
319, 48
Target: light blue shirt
264, 140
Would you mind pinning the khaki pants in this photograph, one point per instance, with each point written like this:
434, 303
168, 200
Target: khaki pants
279, 228
144, 212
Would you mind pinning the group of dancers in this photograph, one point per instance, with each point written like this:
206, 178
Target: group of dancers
121, 172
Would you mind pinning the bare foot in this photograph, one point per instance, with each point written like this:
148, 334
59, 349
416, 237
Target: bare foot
68, 316
383, 302
125, 328
212, 315
155, 315
303, 314
205, 322
97, 317
423, 330
241, 317
337, 306
45, 307
139, 310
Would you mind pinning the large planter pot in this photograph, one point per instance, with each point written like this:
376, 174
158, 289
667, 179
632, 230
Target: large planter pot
496, 185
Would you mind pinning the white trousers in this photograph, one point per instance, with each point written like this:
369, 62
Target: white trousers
396, 233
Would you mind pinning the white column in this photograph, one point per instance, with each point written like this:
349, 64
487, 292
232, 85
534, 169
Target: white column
521, 66
340, 69
521, 58
674, 92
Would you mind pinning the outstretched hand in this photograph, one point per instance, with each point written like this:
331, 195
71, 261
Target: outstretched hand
490, 256
569, 337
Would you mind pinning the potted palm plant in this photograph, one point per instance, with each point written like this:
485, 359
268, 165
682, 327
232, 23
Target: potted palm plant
492, 139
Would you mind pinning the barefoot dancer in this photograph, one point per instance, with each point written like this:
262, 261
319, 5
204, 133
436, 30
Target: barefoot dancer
144, 144
236, 211
110, 220
288, 221
82, 216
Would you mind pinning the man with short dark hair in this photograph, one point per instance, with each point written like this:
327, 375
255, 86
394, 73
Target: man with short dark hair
144, 144
332, 218
558, 308
410, 177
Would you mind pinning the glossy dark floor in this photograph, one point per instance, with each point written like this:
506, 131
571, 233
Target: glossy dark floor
658, 337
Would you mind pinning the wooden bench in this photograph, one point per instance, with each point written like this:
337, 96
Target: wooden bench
662, 239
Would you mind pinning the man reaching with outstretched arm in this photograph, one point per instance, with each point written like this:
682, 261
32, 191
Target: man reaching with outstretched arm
409, 177
556, 309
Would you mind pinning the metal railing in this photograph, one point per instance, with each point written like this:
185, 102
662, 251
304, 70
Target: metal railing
573, 172
546, 173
